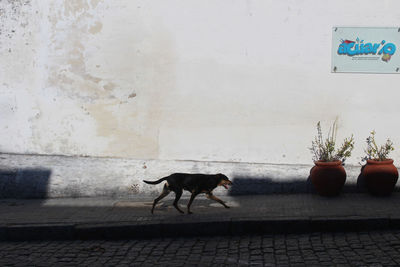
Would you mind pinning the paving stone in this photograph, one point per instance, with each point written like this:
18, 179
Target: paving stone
212, 251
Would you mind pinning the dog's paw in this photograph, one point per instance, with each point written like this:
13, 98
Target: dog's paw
227, 207
189, 212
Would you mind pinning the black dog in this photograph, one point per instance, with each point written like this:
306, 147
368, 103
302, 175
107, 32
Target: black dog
194, 183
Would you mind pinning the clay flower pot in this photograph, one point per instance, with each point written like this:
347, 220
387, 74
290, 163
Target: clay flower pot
380, 177
328, 178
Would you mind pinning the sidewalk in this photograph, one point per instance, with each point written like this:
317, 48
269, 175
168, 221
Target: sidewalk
96, 218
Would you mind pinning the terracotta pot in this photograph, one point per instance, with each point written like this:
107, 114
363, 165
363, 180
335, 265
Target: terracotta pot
380, 177
328, 178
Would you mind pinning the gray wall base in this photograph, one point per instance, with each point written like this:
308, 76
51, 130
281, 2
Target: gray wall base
38, 176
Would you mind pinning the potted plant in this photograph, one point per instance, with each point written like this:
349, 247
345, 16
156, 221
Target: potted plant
328, 175
379, 173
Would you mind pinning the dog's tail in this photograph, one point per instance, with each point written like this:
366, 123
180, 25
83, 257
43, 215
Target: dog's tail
156, 182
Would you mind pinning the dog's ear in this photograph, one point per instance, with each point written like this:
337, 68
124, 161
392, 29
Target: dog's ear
222, 176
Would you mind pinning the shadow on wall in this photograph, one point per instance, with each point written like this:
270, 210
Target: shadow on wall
250, 185
24, 183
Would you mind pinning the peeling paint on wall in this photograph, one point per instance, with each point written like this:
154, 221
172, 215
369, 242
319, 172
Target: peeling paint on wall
13, 11
96, 66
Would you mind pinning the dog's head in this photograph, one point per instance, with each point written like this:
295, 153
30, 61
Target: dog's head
224, 181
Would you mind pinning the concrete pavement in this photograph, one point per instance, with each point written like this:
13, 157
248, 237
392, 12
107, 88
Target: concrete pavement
94, 218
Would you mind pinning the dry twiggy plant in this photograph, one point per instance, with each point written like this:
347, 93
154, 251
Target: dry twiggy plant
324, 149
374, 152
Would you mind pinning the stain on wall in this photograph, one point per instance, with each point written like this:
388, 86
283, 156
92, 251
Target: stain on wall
109, 76
96, 27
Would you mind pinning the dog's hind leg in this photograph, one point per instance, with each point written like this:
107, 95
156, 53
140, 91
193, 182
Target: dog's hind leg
211, 196
178, 195
164, 193
194, 194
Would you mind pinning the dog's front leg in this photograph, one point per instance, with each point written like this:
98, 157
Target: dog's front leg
194, 194
211, 196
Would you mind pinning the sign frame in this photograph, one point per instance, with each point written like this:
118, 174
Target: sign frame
365, 50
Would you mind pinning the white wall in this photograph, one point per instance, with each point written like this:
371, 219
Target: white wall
240, 81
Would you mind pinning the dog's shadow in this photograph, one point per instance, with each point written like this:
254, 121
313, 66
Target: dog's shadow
253, 185
249, 185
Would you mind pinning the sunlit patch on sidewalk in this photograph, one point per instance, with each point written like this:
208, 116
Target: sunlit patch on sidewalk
232, 204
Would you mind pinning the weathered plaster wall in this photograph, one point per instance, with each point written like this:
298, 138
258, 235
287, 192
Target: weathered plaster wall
236, 81
92, 80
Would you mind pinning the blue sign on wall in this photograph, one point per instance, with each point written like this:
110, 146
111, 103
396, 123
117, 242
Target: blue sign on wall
369, 50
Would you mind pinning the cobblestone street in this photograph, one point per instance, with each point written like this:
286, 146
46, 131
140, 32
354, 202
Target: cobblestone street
378, 248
